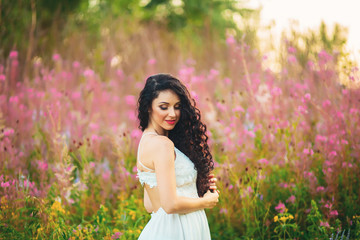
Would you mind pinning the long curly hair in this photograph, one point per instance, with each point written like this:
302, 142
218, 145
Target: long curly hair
189, 134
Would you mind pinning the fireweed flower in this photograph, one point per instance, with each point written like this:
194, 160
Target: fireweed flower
334, 213
13, 54
230, 40
56, 57
152, 61
280, 207
324, 224
308, 151
223, 211
291, 199
130, 100
263, 161
238, 109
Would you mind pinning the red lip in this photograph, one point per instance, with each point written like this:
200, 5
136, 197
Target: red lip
171, 122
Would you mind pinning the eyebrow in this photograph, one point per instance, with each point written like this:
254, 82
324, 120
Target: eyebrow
168, 103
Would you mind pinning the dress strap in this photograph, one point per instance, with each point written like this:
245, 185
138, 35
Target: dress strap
152, 170
144, 134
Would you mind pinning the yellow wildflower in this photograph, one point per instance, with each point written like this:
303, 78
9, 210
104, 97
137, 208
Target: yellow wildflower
276, 218
132, 214
291, 216
283, 219
57, 207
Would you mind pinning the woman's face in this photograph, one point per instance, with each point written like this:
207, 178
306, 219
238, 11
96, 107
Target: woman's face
165, 112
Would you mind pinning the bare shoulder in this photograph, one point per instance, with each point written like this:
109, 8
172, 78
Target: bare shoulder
159, 146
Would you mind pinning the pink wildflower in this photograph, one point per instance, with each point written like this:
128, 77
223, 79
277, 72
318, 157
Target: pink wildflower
94, 126
130, 100
5, 184
320, 138
221, 107
152, 61
324, 224
310, 64
332, 154
14, 99
352, 110
106, 175
42, 165
334, 213
263, 161
250, 133
214, 72
223, 211
116, 235
230, 40
56, 57
76, 64
136, 133
276, 91
227, 81
326, 103
238, 109
291, 199
2, 77
280, 207
302, 109
8, 132
320, 189
292, 59
231, 187
308, 151
131, 115
88, 73
13, 54
95, 137
324, 56
291, 50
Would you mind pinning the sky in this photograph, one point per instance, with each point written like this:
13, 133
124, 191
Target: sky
310, 13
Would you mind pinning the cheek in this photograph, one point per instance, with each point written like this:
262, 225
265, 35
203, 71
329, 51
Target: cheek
160, 114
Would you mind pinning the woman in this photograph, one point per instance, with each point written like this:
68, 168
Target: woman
174, 162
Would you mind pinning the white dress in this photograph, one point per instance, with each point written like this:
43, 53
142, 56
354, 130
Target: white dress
163, 226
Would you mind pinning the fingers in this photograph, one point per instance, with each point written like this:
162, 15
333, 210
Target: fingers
213, 179
213, 187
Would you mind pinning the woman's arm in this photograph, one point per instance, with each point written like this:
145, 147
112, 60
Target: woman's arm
163, 159
147, 202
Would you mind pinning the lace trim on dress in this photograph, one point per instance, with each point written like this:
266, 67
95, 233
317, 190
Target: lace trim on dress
147, 177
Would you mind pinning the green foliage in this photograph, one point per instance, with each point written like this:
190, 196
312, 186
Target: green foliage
313, 220
47, 18
308, 44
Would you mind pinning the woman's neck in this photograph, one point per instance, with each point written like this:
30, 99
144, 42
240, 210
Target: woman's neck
152, 129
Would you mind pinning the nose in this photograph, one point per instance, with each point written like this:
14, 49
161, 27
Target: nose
172, 112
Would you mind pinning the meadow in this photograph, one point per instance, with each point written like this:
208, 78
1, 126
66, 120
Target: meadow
286, 146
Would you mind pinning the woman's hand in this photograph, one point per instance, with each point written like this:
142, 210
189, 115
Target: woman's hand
211, 199
212, 181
